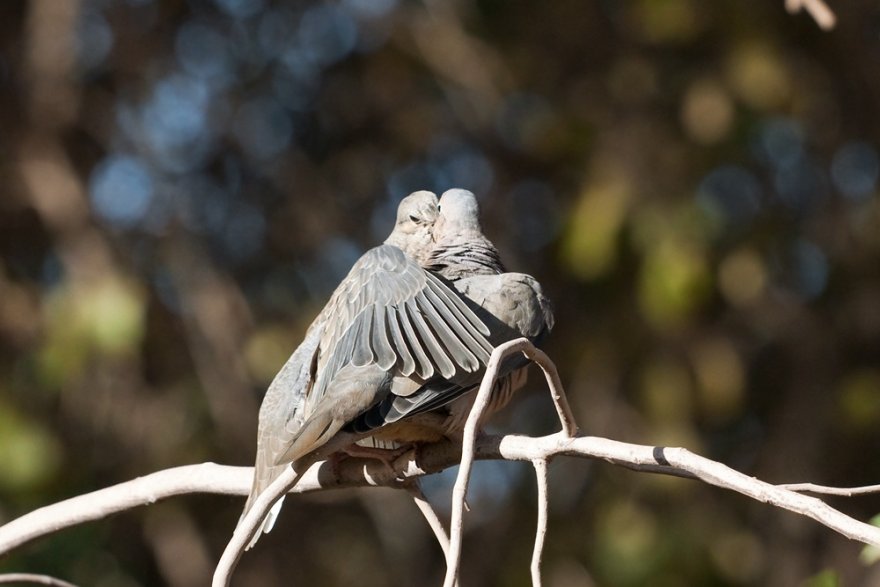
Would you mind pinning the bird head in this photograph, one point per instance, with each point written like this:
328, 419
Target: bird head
458, 213
413, 228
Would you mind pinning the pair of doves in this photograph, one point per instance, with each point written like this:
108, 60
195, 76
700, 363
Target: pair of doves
401, 343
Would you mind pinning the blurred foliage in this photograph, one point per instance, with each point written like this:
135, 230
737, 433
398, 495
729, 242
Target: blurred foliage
695, 183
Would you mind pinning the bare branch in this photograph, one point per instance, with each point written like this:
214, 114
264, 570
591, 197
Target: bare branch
820, 12
250, 524
825, 490
469, 438
557, 393
34, 578
541, 530
459, 492
430, 515
313, 476
203, 478
227, 480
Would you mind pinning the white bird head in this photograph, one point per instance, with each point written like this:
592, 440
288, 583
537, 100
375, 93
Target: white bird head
413, 228
459, 213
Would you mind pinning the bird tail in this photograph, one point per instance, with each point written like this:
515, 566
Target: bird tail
267, 524
263, 477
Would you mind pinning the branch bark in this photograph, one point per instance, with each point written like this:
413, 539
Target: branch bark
409, 467
469, 438
540, 466
227, 480
19, 578
824, 16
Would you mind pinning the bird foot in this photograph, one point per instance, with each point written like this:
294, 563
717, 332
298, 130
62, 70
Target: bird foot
387, 456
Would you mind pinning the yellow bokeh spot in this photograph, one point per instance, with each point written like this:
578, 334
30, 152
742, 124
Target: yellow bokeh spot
673, 282
267, 350
860, 399
758, 76
707, 112
666, 391
742, 277
30, 453
721, 378
662, 21
589, 246
112, 312
105, 315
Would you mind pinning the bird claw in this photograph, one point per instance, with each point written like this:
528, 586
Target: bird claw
387, 456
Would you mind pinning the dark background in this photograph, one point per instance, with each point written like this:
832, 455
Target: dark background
183, 183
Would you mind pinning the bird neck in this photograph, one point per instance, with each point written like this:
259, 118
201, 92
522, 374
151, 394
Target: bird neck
464, 255
414, 245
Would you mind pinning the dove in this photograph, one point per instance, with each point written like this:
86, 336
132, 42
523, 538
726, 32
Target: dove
512, 305
389, 328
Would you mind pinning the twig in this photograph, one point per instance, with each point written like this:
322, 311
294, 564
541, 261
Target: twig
34, 578
825, 490
557, 393
415, 490
720, 475
541, 530
250, 524
430, 515
820, 12
459, 491
469, 438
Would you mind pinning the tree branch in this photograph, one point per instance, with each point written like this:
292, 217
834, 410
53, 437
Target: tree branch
430, 515
820, 12
459, 491
314, 476
541, 529
33, 578
228, 480
825, 490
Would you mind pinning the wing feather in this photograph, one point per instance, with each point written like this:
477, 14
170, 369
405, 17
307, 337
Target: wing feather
362, 353
434, 315
385, 354
407, 362
425, 366
470, 328
457, 335
391, 313
433, 347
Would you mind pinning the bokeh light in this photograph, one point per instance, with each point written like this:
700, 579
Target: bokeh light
732, 195
855, 170
121, 190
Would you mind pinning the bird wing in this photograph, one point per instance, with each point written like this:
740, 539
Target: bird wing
387, 316
283, 403
511, 305
392, 313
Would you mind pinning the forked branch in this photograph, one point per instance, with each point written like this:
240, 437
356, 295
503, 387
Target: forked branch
218, 479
